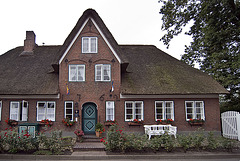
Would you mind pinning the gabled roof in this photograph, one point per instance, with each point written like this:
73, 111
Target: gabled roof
153, 72
150, 70
90, 13
28, 75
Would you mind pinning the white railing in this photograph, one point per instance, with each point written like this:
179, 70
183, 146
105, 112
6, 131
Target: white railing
231, 124
160, 130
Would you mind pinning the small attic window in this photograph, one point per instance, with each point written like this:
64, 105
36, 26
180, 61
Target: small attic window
89, 44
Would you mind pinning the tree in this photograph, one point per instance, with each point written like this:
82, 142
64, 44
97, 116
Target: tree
215, 29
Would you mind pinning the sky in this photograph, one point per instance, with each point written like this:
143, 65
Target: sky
129, 21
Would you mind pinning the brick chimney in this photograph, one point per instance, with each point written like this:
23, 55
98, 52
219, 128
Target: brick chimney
29, 43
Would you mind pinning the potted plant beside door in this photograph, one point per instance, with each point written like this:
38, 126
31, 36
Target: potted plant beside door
99, 129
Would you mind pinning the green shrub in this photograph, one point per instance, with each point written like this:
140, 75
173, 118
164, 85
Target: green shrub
198, 139
212, 141
185, 141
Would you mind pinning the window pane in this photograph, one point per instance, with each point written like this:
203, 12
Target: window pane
14, 111
110, 110
24, 113
69, 116
81, 73
189, 104
106, 72
199, 104
168, 104
189, 116
94, 45
73, 73
31, 131
159, 104
85, 45
189, 110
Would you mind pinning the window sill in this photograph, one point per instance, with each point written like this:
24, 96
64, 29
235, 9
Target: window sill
196, 123
109, 123
13, 123
134, 124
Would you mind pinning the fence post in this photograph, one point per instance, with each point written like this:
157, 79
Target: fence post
238, 126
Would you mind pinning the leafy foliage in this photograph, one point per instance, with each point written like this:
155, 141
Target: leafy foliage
119, 141
214, 27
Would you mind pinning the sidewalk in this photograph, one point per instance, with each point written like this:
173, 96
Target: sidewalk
101, 155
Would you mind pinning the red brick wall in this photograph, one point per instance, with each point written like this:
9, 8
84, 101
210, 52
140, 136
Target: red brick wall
90, 90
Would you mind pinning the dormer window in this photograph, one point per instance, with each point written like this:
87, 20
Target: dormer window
89, 44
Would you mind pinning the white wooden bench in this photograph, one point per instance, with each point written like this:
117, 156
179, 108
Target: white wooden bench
160, 130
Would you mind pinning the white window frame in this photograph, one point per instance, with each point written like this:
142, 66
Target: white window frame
134, 114
88, 48
164, 110
77, 72
101, 74
21, 112
46, 111
110, 111
65, 109
0, 110
194, 110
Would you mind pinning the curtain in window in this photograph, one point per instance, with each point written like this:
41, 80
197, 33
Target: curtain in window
69, 110
106, 72
80, 73
93, 45
51, 111
129, 111
85, 46
41, 111
24, 110
110, 110
73, 73
14, 111
98, 72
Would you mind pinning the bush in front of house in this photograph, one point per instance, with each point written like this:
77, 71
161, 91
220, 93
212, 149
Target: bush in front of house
118, 141
12, 142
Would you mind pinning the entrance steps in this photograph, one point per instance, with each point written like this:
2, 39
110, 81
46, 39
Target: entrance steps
90, 143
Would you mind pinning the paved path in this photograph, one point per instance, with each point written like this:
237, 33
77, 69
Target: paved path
142, 157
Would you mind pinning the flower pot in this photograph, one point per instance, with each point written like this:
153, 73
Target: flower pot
98, 134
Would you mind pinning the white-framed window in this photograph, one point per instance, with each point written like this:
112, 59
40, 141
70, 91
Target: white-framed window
89, 45
69, 110
46, 110
0, 110
133, 110
19, 110
164, 110
194, 110
76, 73
110, 111
102, 72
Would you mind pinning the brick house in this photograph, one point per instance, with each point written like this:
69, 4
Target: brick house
91, 78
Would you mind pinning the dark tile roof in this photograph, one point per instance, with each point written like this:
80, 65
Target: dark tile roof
151, 71
30, 74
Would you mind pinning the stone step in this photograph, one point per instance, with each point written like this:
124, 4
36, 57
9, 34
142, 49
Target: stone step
91, 138
89, 146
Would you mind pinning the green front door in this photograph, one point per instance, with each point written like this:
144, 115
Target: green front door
89, 116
